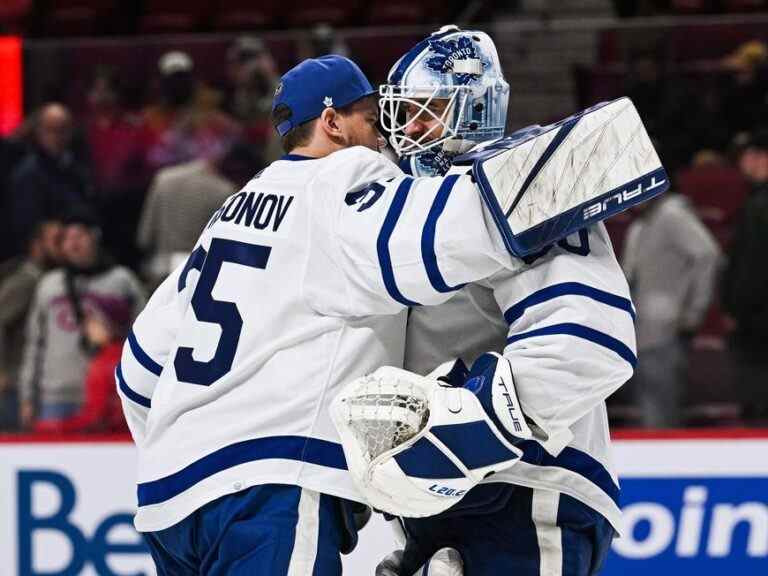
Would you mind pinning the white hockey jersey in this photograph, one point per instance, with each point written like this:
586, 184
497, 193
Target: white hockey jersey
297, 285
569, 332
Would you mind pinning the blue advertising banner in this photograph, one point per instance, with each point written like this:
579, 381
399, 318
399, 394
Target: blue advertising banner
701, 526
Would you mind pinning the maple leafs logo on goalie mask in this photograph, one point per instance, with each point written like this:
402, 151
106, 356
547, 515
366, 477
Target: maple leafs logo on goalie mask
447, 52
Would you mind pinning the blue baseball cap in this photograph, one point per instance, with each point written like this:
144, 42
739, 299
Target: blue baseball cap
316, 84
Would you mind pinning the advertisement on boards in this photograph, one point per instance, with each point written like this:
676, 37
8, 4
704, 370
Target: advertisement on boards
691, 506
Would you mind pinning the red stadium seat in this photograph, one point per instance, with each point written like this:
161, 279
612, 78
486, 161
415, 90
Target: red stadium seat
173, 16
245, 14
12, 14
717, 192
307, 13
77, 17
403, 12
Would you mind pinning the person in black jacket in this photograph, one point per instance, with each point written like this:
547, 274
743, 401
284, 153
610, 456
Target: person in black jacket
49, 181
745, 283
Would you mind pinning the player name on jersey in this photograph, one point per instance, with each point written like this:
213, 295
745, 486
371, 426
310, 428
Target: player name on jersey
258, 210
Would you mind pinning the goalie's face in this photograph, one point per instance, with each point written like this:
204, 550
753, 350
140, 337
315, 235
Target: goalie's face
415, 124
424, 119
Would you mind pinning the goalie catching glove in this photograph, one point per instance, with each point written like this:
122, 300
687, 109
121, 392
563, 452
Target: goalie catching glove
414, 446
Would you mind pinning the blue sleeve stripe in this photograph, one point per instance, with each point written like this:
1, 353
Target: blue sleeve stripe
574, 460
568, 289
311, 450
428, 236
382, 243
580, 331
129, 393
141, 356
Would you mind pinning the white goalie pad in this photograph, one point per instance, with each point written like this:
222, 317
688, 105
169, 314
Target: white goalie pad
413, 446
544, 183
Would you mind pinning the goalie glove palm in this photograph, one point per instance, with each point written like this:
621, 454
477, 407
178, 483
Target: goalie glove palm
415, 447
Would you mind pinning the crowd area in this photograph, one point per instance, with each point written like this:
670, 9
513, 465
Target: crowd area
99, 207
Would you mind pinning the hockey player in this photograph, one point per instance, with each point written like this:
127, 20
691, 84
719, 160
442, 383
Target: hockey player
297, 284
563, 319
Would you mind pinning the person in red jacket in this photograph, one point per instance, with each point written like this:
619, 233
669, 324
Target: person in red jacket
100, 411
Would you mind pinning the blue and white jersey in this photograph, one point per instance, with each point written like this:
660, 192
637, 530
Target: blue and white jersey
298, 284
566, 322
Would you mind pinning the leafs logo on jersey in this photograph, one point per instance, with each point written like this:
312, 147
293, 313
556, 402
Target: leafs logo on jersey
434, 161
364, 198
447, 52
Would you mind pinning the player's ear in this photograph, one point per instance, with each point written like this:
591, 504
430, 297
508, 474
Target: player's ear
329, 123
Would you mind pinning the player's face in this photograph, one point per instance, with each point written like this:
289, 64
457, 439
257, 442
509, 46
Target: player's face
79, 245
360, 125
420, 122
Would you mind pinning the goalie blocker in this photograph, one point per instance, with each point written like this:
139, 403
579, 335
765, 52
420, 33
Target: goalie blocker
543, 183
415, 446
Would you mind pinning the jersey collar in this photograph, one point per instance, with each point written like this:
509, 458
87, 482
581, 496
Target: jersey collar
296, 157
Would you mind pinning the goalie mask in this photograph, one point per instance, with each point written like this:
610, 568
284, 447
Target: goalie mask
453, 80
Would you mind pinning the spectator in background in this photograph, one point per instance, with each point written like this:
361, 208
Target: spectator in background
114, 137
664, 105
49, 180
57, 351
253, 78
100, 410
12, 150
745, 95
117, 151
16, 291
180, 202
745, 283
183, 127
671, 262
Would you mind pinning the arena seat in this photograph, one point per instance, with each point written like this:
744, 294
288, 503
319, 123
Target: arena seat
172, 16
13, 13
77, 17
245, 14
405, 12
307, 13
717, 192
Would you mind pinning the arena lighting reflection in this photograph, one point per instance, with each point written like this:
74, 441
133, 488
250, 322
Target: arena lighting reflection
10, 84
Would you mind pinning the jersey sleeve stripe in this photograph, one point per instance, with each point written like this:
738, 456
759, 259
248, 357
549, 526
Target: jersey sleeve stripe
382, 243
142, 357
428, 237
310, 450
568, 289
129, 393
574, 460
584, 332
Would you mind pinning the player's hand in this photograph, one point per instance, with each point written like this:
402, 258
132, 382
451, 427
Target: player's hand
390, 566
444, 562
27, 414
492, 381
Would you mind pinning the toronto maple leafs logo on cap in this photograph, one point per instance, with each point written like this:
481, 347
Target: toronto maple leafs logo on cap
328, 101
459, 56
